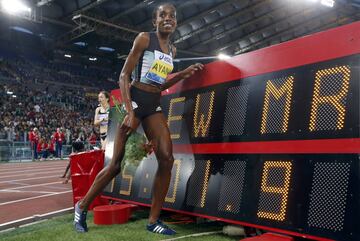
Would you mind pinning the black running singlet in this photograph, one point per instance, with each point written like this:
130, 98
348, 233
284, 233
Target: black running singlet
154, 65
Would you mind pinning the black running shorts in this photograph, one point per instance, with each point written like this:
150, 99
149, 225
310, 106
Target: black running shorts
144, 103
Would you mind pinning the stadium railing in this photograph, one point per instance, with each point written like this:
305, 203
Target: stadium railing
11, 151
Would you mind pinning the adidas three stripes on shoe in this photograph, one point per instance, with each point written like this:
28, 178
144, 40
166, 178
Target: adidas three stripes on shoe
160, 228
80, 219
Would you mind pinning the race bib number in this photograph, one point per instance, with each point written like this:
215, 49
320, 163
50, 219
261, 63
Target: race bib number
160, 68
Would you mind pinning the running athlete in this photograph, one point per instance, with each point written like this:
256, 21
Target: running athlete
154, 53
101, 118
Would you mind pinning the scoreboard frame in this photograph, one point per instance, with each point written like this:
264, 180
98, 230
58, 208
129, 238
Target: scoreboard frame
292, 77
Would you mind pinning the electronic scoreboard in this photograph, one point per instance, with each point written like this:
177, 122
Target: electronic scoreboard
268, 139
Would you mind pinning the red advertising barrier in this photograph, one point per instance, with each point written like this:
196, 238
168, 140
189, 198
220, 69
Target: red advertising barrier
84, 168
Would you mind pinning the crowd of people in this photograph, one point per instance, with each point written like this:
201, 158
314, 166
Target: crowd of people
33, 109
24, 70
22, 109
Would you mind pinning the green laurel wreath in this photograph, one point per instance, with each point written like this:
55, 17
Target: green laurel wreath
134, 148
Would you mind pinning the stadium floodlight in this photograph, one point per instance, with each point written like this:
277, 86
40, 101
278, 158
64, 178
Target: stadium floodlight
223, 56
220, 56
107, 49
328, 3
43, 2
14, 6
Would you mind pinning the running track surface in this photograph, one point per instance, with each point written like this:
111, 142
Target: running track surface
34, 188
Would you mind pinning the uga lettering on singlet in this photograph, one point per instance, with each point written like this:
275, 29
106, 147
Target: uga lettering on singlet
160, 68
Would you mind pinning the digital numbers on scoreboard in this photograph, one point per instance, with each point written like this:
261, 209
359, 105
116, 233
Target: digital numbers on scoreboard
275, 182
312, 193
309, 102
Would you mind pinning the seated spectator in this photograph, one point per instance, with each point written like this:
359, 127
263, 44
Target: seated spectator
42, 149
77, 146
51, 147
92, 139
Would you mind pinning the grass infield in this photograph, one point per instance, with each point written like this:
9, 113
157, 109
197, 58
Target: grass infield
61, 229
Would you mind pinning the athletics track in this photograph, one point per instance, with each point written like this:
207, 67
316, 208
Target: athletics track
32, 190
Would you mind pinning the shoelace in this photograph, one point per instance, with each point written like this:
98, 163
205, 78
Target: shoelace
162, 224
83, 218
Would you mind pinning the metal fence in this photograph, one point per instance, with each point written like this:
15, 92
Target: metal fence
21, 151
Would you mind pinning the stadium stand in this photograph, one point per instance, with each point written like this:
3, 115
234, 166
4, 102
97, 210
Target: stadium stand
47, 94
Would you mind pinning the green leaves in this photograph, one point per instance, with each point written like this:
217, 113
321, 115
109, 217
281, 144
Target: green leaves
134, 148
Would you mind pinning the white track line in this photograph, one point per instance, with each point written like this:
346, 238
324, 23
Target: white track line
62, 188
32, 169
35, 185
26, 179
31, 198
13, 171
193, 235
24, 167
31, 164
50, 214
32, 174
22, 191
18, 183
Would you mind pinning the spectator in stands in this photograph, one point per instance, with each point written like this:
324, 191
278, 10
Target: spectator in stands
59, 138
37, 108
51, 146
34, 140
67, 136
77, 146
3, 134
102, 116
92, 139
42, 149
81, 134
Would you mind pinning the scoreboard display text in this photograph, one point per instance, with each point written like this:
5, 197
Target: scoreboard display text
277, 150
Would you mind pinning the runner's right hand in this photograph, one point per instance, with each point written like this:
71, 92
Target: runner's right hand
129, 122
